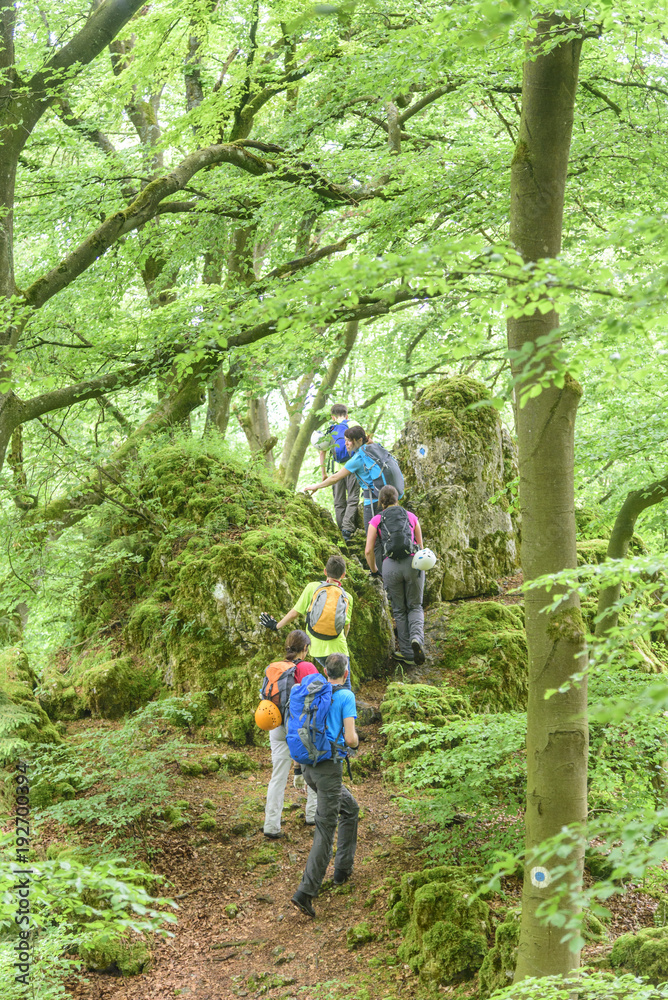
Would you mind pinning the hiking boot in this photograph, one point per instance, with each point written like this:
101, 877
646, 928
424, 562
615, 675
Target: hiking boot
347, 535
274, 836
303, 903
402, 658
418, 651
340, 878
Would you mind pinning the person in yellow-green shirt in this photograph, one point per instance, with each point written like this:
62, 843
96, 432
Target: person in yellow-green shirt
320, 649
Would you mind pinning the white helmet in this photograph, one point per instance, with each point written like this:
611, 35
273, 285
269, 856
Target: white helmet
423, 559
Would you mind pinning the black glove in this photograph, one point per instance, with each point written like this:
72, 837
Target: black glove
377, 575
268, 621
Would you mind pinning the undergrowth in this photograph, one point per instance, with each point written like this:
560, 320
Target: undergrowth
118, 776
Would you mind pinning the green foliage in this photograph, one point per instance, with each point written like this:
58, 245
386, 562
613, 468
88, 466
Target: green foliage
588, 984
118, 773
84, 907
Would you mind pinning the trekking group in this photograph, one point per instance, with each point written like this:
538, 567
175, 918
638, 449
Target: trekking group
308, 706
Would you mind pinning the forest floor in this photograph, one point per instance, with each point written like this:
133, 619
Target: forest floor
261, 945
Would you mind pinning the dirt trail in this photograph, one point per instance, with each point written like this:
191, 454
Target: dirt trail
213, 954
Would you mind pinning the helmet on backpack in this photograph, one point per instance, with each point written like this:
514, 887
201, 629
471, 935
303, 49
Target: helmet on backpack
424, 559
268, 715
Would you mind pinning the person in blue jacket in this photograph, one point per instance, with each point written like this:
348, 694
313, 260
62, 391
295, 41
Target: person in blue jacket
364, 469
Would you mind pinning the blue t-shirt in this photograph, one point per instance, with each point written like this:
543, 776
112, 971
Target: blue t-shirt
343, 707
363, 467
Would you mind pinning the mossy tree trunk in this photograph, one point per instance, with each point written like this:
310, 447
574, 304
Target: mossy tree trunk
622, 532
557, 740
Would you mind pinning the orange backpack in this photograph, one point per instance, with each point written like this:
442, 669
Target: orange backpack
279, 680
326, 616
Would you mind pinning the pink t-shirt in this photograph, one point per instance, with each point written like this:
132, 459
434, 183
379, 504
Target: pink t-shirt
304, 668
412, 520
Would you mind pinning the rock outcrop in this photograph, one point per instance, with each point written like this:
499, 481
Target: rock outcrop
458, 463
177, 585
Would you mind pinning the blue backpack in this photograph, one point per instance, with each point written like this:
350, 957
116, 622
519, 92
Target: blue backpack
338, 435
306, 735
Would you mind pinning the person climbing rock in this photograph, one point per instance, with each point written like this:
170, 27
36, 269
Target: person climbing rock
346, 490
373, 467
328, 609
335, 803
400, 536
296, 650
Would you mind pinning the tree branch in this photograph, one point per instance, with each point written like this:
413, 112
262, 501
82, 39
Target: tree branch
98, 32
434, 95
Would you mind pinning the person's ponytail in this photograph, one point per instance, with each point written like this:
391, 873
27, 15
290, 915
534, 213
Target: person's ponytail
297, 642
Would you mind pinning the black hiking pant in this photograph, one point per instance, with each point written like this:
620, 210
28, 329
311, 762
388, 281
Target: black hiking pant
335, 805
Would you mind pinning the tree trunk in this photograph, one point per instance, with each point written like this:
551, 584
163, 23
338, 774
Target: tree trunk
557, 738
636, 502
312, 419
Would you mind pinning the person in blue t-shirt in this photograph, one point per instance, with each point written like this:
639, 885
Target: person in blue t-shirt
364, 469
346, 491
335, 802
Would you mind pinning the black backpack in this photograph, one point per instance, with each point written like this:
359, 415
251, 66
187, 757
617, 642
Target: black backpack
395, 534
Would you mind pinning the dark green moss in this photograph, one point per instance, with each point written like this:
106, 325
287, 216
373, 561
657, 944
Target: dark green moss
446, 932
482, 649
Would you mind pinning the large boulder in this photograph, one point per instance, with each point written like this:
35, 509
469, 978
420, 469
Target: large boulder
458, 462
479, 648
177, 585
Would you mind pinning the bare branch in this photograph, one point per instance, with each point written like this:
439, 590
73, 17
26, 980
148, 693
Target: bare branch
434, 95
291, 266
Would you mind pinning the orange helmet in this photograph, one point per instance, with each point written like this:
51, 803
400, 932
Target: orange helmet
267, 715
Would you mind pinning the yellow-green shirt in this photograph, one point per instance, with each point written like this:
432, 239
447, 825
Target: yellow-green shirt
323, 647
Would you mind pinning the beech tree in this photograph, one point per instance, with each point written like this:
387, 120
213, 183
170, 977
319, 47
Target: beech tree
556, 727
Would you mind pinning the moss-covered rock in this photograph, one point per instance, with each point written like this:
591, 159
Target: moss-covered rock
21, 716
458, 462
422, 703
644, 953
225, 544
359, 935
114, 687
445, 936
480, 649
498, 967
99, 684
115, 955
419, 703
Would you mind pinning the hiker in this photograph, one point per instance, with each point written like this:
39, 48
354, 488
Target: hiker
400, 536
328, 609
296, 650
373, 467
346, 490
335, 803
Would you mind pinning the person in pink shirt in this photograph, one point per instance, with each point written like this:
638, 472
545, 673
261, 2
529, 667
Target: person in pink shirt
400, 535
296, 650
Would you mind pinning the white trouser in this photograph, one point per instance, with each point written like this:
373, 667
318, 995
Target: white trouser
281, 762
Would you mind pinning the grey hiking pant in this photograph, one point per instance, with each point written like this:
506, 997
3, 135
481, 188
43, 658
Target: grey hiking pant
335, 803
346, 500
370, 510
404, 586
